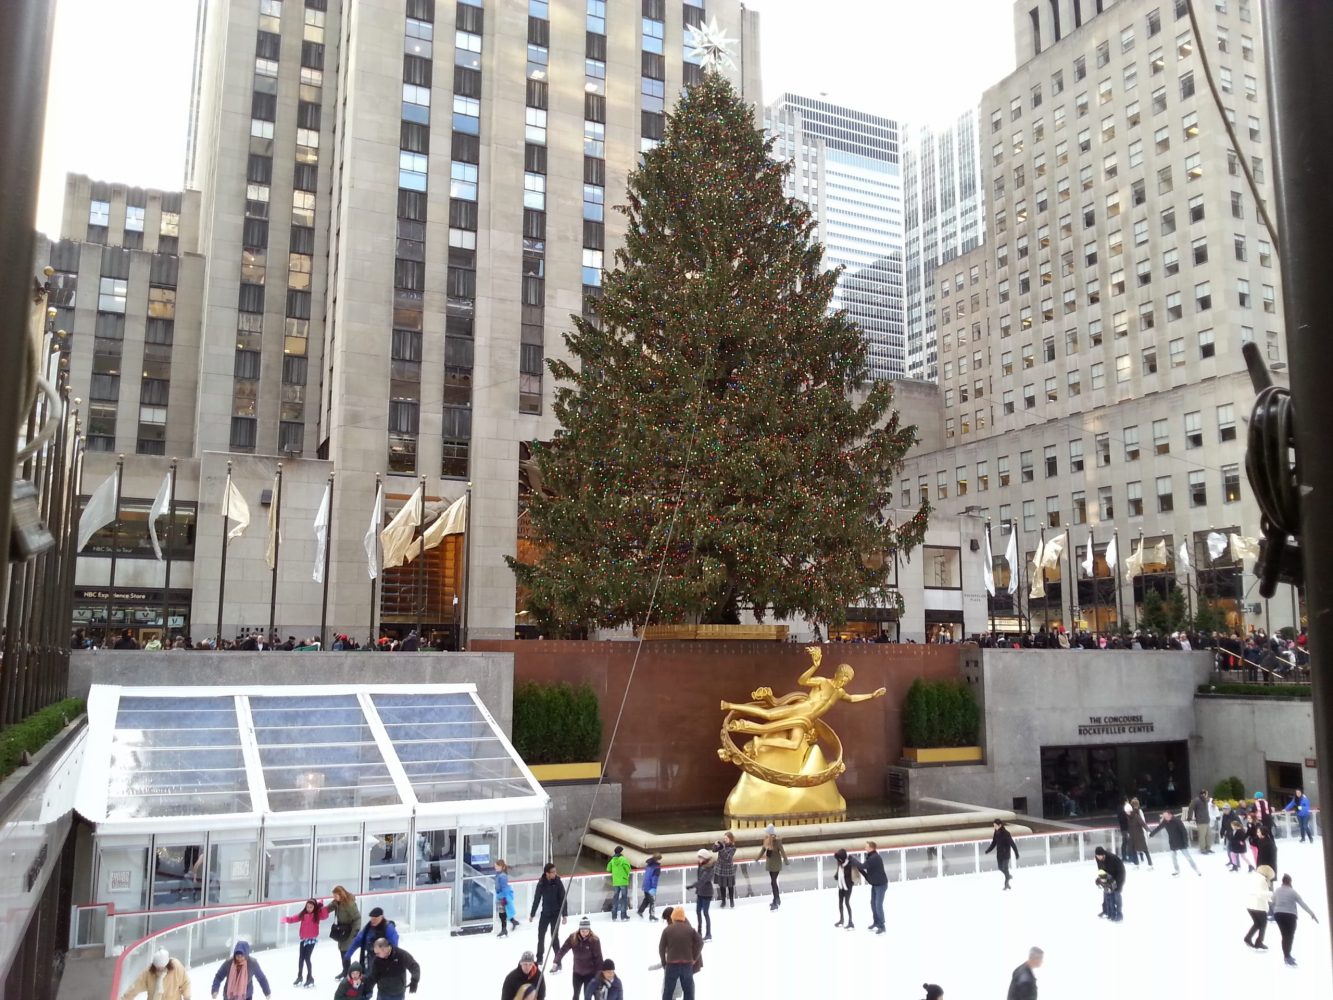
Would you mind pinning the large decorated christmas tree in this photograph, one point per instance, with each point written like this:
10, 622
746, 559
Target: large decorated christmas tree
720, 453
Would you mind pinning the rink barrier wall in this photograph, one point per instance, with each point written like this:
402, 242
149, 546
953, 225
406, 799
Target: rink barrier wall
210, 934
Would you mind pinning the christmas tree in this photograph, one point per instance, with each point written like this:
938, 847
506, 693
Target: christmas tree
713, 453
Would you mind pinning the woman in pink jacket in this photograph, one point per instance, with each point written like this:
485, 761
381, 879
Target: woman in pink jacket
311, 914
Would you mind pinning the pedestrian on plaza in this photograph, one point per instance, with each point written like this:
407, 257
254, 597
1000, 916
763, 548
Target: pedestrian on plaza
1023, 983
681, 952
652, 871
774, 856
843, 881
1258, 894
1122, 820
620, 870
525, 980
1202, 817
1300, 805
550, 896
725, 874
310, 917
587, 949
1285, 901
504, 899
1111, 880
1237, 847
1177, 839
393, 972
346, 921
352, 986
703, 892
377, 927
1002, 843
1138, 833
164, 979
606, 985
240, 972
871, 867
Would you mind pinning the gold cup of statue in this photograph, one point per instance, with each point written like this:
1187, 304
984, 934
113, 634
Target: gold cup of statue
790, 758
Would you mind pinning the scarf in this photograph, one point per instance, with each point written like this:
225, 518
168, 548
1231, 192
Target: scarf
238, 980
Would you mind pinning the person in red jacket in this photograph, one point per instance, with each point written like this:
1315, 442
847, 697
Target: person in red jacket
311, 914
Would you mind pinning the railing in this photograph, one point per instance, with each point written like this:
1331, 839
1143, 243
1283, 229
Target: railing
210, 936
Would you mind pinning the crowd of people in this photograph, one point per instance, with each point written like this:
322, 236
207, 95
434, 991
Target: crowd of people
258, 642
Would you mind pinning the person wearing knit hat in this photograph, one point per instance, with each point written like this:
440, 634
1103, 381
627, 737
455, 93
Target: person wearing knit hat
164, 979
525, 981
933, 992
353, 985
606, 985
680, 950
703, 892
587, 949
774, 856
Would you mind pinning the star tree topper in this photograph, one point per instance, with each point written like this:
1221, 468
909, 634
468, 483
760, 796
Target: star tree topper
710, 45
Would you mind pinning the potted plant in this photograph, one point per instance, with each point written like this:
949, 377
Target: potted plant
941, 720
558, 731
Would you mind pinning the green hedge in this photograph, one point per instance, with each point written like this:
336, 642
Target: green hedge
1228, 789
557, 723
1301, 691
940, 714
35, 732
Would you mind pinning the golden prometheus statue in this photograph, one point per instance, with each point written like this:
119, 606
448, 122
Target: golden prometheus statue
787, 773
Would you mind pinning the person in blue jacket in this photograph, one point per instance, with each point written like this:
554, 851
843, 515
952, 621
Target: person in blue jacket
239, 973
378, 927
652, 871
1300, 805
504, 899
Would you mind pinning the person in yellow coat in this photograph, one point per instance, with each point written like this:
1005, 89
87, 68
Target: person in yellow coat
164, 979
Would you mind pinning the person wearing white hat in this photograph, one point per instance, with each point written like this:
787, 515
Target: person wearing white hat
164, 979
703, 892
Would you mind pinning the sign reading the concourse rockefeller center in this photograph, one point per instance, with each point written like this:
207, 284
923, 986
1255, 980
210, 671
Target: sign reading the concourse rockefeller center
1114, 725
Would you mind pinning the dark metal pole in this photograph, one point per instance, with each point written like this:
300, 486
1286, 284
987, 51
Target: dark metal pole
1020, 557
1299, 37
277, 545
115, 542
990, 570
377, 558
1096, 584
1045, 599
421, 565
467, 567
1119, 597
222, 568
328, 552
1073, 580
166, 582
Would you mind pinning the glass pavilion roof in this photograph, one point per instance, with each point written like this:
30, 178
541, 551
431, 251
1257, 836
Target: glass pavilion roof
239, 756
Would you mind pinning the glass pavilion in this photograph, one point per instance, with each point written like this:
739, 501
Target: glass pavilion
218, 796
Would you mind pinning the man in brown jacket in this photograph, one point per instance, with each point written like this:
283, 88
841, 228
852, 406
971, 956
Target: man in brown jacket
681, 950
173, 976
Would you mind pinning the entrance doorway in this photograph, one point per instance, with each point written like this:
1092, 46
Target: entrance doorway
475, 895
1282, 781
1095, 780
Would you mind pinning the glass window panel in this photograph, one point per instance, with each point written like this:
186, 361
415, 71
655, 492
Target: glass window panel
338, 854
287, 861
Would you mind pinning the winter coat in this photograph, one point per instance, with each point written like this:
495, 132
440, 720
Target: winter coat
651, 873
1199, 811
846, 866
503, 890
1236, 840
726, 859
1286, 899
518, 979
347, 990
1023, 984
1138, 831
703, 881
599, 988
1258, 891
1002, 842
349, 915
549, 896
1266, 853
1177, 837
309, 921
680, 944
1114, 868
1299, 805
587, 953
872, 867
1122, 819
619, 867
254, 972
395, 973
775, 857
175, 983
368, 936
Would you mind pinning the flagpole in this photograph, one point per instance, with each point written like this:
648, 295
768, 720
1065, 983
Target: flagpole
115, 542
1045, 598
1019, 559
222, 569
1142, 576
1119, 603
328, 551
990, 598
421, 564
1073, 579
374, 580
1096, 601
1189, 598
277, 545
166, 583
467, 568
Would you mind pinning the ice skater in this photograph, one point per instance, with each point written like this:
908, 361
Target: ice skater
587, 949
1138, 834
550, 896
1111, 880
774, 856
933, 992
680, 950
1264, 846
1300, 805
652, 871
1023, 983
1177, 839
504, 899
1285, 901
607, 985
843, 880
1258, 894
871, 868
703, 892
725, 849
1002, 843
1201, 813
525, 980
1237, 847
309, 918
620, 870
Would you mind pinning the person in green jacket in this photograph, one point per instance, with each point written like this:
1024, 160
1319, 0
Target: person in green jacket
619, 867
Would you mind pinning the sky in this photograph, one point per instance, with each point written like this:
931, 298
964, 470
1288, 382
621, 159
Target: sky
120, 78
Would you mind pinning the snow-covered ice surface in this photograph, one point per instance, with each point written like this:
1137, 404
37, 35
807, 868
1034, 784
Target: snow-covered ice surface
1181, 936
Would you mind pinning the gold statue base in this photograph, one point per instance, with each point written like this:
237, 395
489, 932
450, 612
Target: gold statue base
754, 802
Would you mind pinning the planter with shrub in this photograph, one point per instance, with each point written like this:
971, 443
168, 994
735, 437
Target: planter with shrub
941, 721
558, 730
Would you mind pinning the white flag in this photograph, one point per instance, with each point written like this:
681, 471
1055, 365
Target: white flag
988, 571
401, 532
159, 509
1111, 554
1134, 563
452, 521
234, 508
372, 540
1011, 558
322, 533
1051, 552
1088, 557
1243, 548
1158, 554
274, 532
1183, 556
1036, 576
1217, 544
100, 512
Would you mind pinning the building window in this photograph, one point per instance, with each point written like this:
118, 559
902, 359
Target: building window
1105, 503
1101, 444
1193, 430
1207, 348
1231, 484
1073, 383
112, 294
1131, 440
1053, 512
1166, 502
1050, 461
1025, 467
1097, 375
1226, 422
1198, 489
1076, 455
1161, 437
1134, 498
1203, 296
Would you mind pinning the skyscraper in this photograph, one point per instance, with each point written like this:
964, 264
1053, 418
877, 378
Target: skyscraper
847, 168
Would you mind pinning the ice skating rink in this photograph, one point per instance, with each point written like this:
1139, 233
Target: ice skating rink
1181, 937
